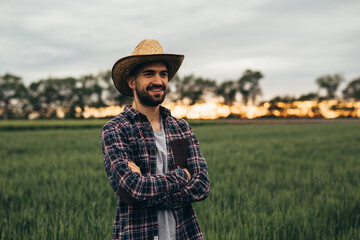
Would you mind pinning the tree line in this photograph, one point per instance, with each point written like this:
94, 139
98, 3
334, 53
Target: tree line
97, 90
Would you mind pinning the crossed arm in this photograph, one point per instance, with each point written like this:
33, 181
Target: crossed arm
135, 168
198, 188
173, 189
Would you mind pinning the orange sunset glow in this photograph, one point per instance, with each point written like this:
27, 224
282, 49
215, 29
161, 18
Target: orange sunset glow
302, 109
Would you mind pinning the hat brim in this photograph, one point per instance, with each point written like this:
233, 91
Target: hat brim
123, 67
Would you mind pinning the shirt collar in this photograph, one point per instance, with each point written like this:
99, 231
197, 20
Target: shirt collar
131, 112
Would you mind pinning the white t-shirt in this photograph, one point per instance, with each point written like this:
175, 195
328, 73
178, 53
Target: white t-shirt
167, 223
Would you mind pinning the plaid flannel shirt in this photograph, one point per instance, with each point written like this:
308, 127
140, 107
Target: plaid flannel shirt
124, 139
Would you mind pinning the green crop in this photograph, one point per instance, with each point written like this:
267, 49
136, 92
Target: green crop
281, 181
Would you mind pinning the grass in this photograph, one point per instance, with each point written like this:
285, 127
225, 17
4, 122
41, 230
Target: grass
43, 124
284, 181
20, 125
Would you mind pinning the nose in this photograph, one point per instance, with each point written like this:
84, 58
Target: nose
157, 79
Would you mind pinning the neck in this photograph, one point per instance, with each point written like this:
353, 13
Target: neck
151, 112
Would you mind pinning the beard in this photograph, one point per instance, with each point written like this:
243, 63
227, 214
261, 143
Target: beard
146, 99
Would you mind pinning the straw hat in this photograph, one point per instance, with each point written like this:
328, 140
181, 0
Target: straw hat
147, 50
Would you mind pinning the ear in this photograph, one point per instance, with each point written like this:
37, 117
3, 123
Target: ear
131, 82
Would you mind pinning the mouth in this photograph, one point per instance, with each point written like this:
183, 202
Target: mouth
156, 88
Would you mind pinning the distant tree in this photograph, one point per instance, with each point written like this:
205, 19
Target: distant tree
352, 90
192, 88
91, 90
12, 89
307, 97
330, 84
34, 96
172, 91
111, 94
284, 99
49, 94
249, 86
275, 106
227, 90
67, 97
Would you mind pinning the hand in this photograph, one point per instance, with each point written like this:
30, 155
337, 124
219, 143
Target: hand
134, 167
187, 172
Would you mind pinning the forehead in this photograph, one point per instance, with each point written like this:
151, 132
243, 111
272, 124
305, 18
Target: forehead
153, 66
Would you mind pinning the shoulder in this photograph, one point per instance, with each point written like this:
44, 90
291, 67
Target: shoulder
117, 130
173, 121
177, 124
115, 122
119, 124
178, 121
122, 121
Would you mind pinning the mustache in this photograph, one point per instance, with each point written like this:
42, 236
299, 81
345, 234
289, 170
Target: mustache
162, 87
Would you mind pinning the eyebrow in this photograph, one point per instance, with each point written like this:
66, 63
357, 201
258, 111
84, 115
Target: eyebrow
153, 71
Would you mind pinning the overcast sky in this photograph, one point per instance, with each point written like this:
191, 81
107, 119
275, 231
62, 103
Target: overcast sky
290, 42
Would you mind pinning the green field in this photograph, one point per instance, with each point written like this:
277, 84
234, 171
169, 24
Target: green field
278, 181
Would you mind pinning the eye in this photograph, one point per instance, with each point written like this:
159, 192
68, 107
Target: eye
164, 74
148, 74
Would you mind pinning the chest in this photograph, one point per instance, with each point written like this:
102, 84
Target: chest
144, 149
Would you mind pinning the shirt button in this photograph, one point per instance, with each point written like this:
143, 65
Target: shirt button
148, 128
152, 147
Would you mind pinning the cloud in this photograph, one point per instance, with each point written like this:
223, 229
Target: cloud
290, 42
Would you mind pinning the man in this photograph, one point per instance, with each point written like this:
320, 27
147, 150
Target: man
152, 159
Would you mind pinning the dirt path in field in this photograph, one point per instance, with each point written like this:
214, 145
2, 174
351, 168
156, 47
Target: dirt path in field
289, 120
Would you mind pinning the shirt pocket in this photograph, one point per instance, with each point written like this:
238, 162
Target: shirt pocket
180, 148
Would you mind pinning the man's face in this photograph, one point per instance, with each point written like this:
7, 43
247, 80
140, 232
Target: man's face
151, 83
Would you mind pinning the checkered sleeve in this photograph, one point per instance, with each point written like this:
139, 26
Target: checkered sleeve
141, 188
198, 188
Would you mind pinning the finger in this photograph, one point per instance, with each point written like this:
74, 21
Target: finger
187, 172
132, 164
134, 168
